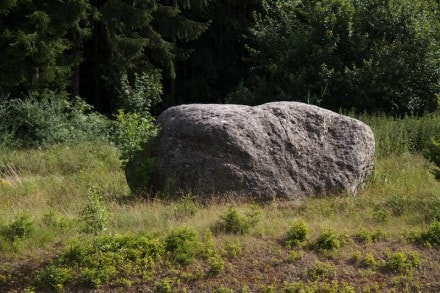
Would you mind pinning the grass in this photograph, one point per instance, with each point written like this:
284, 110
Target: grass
386, 236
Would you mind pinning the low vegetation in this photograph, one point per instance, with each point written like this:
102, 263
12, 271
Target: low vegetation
68, 222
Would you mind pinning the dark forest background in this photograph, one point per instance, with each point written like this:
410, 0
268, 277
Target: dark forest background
362, 55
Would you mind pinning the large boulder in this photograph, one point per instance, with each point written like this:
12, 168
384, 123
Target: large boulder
276, 150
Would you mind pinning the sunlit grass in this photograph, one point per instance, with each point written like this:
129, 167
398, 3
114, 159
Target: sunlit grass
51, 186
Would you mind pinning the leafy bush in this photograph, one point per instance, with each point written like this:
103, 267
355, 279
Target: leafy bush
141, 94
107, 259
131, 133
234, 223
182, 244
93, 216
53, 277
431, 236
298, 233
33, 122
432, 153
322, 270
372, 55
369, 260
327, 241
19, 228
402, 262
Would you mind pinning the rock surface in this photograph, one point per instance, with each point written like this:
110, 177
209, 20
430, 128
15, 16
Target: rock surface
276, 150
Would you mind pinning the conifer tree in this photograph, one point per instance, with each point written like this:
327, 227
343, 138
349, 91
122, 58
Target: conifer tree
36, 41
143, 35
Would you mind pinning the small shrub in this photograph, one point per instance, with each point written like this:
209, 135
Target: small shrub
216, 265
53, 277
327, 241
207, 246
296, 255
364, 237
402, 262
133, 133
93, 216
235, 223
323, 270
369, 260
19, 228
356, 256
432, 153
298, 233
186, 207
232, 249
431, 236
52, 220
381, 216
165, 286
50, 119
182, 244
94, 277
106, 259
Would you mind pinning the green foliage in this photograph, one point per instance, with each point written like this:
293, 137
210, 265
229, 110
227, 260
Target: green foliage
54, 278
327, 241
431, 236
216, 265
21, 227
38, 42
402, 262
186, 206
145, 92
399, 135
369, 55
33, 122
297, 233
133, 132
235, 223
165, 286
369, 260
432, 153
107, 259
322, 270
182, 244
93, 216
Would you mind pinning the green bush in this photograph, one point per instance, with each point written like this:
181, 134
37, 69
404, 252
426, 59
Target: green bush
182, 244
369, 260
19, 228
298, 233
234, 223
93, 216
32, 122
141, 94
432, 153
327, 241
372, 55
322, 270
402, 262
107, 259
431, 236
53, 277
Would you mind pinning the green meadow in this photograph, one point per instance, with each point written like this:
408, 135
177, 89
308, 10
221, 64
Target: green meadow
69, 223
